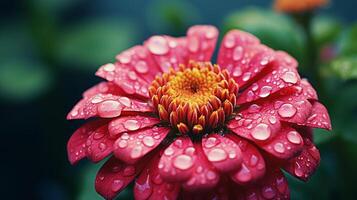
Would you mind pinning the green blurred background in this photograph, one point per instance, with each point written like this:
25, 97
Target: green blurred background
50, 50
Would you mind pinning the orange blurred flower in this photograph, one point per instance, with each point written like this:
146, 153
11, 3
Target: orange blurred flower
298, 5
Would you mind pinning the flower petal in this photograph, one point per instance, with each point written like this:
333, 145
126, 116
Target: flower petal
106, 106
242, 54
127, 79
114, 176
130, 123
286, 144
253, 166
201, 42
279, 77
140, 60
177, 161
304, 165
319, 117
133, 146
273, 186
150, 185
223, 153
103, 88
99, 144
204, 176
76, 146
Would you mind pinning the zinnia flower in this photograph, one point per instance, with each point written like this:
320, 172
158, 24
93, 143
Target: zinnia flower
181, 127
298, 5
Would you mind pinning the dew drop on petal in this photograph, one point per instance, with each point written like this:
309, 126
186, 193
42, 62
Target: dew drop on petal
131, 124
109, 109
279, 147
211, 175
229, 41
298, 171
136, 152
268, 192
244, 174
122, 144
169, 151
109, 67
141, 67
117, 185
183, 162
287, 110
261, 132
237, 53
129, 171
158, 45
294, 137
289, 77
217, 155
265, 91
125, 101
210, 142
148, 141
237, 71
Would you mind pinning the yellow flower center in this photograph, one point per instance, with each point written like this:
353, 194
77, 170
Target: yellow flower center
194, 99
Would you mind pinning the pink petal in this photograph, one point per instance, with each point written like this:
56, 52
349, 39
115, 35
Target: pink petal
183, 161
167, 51
133, 146
140, 60
76, 146
150, 185
99, 144
319, 117
275, 80
223, 153
103, 88
114, 176
286, 144
221, 192
127, 79
204, 175
253, 166
201, 42
130, 123
106, 106
308, 91
273, 186
177, 161
304, 165
237, 52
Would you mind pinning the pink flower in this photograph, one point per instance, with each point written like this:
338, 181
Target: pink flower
181, 127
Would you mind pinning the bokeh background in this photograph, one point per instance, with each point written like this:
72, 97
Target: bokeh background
50, 50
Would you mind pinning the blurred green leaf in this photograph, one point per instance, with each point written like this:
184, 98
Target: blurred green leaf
93, 43
325, 29
21, 80
171, 16
348, 42
322, 136
87, 190
275, 30
345, 67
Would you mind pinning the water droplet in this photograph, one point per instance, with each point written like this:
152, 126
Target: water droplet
141, 67
96, 99
109, 67
136, 152
294, 137
211, 33
102, 146
169, 151
125, 101
183, 162
132, 75
122, 143
237, 53
264, 61
148, 141
124, 58
210, 142
254, 108
244, 174
131, 124
211, 175
289, 77
158, 45
129, 171
98, 135
246, 76
193, 44
298, 171
287, 110
117, 185
261, 132
229, 42
237, 71
272, 119
253, 160
265, 91
109, 109
279, 147
268, 192
217, 155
